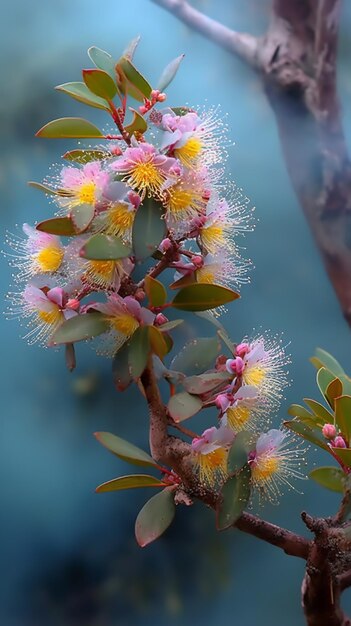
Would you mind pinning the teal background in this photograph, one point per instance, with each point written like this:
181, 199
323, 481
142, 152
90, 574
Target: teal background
69, 556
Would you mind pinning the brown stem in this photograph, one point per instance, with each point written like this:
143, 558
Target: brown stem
117, 119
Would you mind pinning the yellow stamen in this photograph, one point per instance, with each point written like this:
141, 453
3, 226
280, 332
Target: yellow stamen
238, 417
212, 465
145, 175
205, 275
265, 468
179, 200
50, 317
101, 272
119, 220
188, 153
86, 193
254, 376
213, 237
49, 259
124, 323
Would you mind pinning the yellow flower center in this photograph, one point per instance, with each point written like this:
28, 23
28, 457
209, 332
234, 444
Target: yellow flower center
205, 275
119, 219
212, 465
265, 468
238, 417
254, 376
179, 200
86, 193
101, 271
213, 238
49, 259
124, 323
189, 152
50, 317
145, 175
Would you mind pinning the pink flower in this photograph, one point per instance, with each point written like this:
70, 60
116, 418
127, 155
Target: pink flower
145, 168
85, 185
46, 310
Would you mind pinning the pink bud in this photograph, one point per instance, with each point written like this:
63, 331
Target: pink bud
116, 150
143, 109
161, 97
160, 319
73, 304
222, 402
165, 245
242, 349
329, 431
238, 365
197, 260
339, 442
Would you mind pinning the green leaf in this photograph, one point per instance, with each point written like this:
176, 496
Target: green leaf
85, 156
169, 72
62, 226
324, 379
201, 297
100, 83
155, 291
333, 391
157, 342
170, 325
134, 481
69, 128
313, 435
329, 477
324, 416
183, 405
137, 125
324, 359
82, 215
139, 350
344, 454
79, 91
103, 60
134, 77
304, 416
181, 110
148, 229
50, 190
79, 328
206, 382
131, 47
343, 416
235, 496
120, 368
243, 443
155, 517
124, 449
346, 385
184, 281
105, 248
196, 356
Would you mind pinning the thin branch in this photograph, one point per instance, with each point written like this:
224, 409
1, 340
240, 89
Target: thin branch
178, 455
344, 580
243, 45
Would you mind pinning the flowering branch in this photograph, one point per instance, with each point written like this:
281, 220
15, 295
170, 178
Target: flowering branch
297, 60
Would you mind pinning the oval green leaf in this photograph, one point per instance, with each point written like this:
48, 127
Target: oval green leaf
79, 328
62, 226
103, 60
329, 477
148, 229
313, 435
51, 191
235, 496
155, 517
343, 416
196, 356
183, 405
137, 125
79, 91
155, 291
344, 454
169, 72
82, 215
125, 450
85, 156
69, 128
206, 382
100, 83
324, 359
135, 78
134, 481
158, 343
201, 297
139, 350
243, 443
120, 369
105, 248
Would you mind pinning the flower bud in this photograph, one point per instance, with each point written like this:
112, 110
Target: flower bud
73, 304
197, 260
161, 97
242, 349
222, 402
165, 245
339, 442
329, 431
160, 319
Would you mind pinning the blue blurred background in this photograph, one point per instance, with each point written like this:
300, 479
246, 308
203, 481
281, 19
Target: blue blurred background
68, 556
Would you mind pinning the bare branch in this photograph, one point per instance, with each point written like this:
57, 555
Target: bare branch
242, 45
291, 543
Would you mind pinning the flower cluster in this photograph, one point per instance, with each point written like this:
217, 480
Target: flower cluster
246, 402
